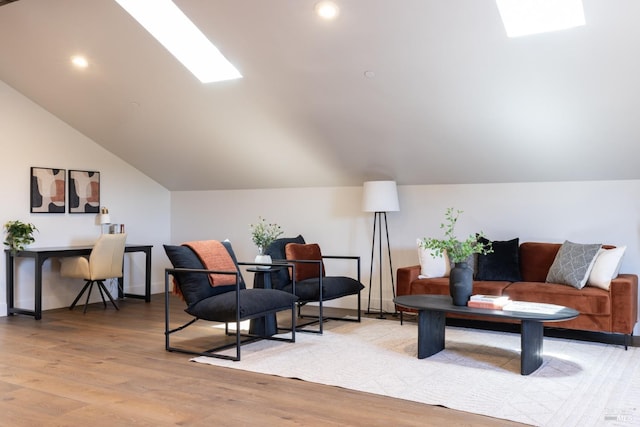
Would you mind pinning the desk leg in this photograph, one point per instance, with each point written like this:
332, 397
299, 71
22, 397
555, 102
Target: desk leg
147, 279
431, 325
39, 262
531, 336
9, 284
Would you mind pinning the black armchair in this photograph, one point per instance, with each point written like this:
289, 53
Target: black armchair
208, 277
309, 281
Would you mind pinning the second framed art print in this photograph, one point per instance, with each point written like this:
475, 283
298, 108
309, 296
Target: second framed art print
84, 192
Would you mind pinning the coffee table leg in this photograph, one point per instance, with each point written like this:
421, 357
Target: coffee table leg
531, 346
430, 333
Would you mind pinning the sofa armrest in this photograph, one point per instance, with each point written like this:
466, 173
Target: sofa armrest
404, 277
624, 303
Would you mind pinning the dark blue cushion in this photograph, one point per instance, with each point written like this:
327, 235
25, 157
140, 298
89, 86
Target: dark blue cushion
332, 287
282, 277
227, 245
253, 303
501, 264
193, 286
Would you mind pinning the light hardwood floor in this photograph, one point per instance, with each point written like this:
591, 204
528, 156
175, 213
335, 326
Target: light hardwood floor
109, 368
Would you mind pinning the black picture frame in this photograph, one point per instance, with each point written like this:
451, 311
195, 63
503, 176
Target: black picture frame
47, 188
84, 192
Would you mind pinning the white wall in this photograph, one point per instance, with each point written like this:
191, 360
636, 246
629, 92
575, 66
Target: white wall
30, 136
585, 212
604, 211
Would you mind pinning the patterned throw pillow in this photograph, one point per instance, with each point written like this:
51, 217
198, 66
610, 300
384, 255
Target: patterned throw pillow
573, 264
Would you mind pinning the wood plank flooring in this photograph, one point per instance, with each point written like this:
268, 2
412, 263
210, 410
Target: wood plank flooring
109, 368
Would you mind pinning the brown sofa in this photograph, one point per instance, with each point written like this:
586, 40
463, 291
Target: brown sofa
613, 311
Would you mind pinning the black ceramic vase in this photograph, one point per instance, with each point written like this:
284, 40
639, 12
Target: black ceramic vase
461, 283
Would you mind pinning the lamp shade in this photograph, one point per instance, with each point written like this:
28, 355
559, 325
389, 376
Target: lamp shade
380, 196
105, 218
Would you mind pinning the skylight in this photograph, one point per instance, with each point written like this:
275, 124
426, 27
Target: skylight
524, 17
175, 31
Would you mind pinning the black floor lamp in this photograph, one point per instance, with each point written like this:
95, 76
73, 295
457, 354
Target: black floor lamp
380, 197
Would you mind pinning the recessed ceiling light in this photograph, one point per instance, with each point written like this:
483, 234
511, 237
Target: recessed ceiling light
524, 17
79, 61
327, 10
175, 31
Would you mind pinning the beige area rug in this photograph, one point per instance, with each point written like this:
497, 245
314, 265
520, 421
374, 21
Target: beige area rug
579, 383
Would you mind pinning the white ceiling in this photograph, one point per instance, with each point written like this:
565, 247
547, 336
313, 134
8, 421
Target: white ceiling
453, 99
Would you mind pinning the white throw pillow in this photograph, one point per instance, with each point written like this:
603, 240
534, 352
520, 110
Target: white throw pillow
606, 267
432, 265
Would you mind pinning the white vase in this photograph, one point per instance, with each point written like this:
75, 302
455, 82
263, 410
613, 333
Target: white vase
262, 259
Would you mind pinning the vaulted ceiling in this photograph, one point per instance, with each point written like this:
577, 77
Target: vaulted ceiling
420, 91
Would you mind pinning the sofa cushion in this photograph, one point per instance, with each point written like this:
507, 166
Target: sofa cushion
606, 267
307, 252
440, 286
501, 264
432, 265
332, 287
573, 264
275, 250
536, 259
193, 286
588, 300
253, 303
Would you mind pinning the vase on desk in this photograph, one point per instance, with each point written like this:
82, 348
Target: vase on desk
261, 258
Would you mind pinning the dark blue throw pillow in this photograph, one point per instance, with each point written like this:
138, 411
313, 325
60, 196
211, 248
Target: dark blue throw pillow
501, 264
193, 286
282, 277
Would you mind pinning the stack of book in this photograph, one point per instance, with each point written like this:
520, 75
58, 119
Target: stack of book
492, 302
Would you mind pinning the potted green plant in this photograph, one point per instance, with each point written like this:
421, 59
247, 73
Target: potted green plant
18, 234
262, 235
458, 251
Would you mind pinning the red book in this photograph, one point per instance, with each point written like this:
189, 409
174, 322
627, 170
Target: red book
486, 304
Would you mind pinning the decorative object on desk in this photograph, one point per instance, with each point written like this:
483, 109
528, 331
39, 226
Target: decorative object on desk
380, 197
18, 235
458, 251
84, 192
262, 235
105, 219
47, 190
116, 228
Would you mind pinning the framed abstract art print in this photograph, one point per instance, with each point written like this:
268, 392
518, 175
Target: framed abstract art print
47, 190
84, 192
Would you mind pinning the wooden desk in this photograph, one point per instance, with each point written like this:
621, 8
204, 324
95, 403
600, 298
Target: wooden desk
40, 255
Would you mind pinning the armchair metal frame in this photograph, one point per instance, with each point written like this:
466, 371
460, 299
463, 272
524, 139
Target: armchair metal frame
321, 317
213, 352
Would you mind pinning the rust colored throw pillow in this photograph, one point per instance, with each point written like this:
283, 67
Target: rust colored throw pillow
308, 251
214, 256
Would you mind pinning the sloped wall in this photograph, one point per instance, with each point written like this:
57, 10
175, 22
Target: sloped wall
30, 136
